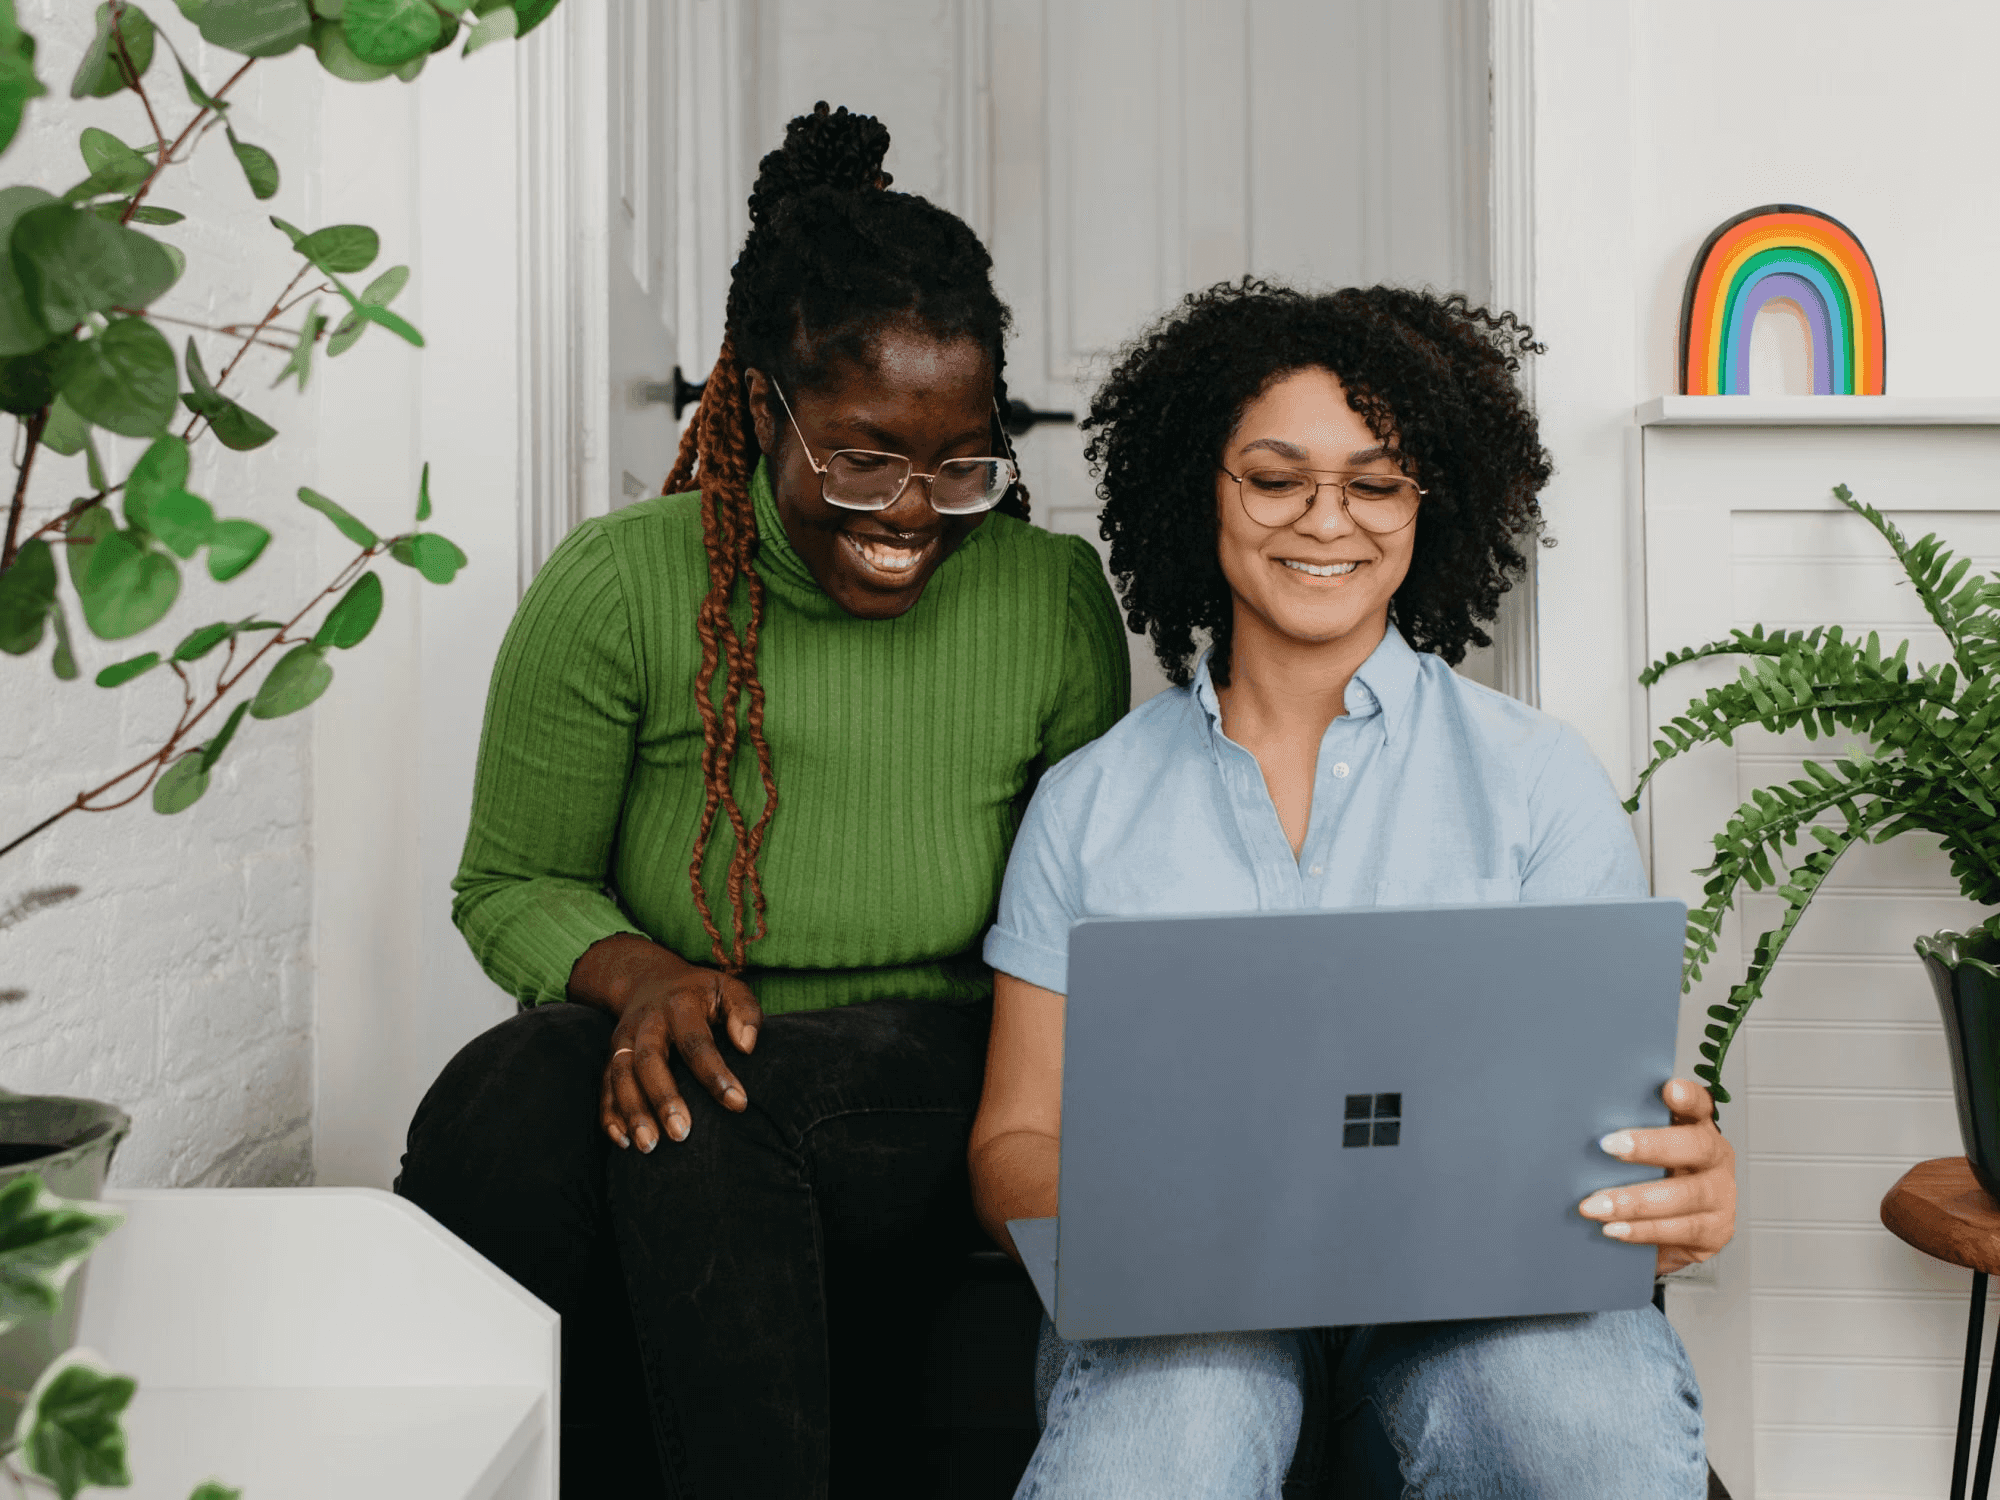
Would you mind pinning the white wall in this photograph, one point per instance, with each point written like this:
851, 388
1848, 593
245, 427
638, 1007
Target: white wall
1655, 121
179, 985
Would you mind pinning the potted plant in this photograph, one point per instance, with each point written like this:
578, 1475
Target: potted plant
83, 350
1932, 764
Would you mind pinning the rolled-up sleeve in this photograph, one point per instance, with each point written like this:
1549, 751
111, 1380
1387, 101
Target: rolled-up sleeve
554, 758
1038, 899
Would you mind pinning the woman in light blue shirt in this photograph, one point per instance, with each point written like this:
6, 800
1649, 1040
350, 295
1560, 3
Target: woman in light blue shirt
1335, 490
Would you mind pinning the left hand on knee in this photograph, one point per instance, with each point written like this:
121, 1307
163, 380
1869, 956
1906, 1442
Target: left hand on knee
1691, 1213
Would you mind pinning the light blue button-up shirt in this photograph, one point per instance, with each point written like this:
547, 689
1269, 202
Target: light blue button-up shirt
1429, 788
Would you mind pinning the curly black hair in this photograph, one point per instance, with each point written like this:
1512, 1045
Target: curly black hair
1435, 374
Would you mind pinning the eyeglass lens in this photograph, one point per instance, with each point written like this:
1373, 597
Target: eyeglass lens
860, 480
1377, 502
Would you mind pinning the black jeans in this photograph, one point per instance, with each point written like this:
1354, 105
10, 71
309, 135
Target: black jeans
755, 1297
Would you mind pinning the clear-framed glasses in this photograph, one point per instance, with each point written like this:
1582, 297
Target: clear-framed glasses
1380, 503
861, 479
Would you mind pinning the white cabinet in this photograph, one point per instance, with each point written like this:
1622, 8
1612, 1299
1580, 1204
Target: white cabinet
1829, 1352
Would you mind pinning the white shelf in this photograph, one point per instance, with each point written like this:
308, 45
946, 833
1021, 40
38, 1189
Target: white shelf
1820, 411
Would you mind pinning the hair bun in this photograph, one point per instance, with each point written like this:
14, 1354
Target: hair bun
828, 148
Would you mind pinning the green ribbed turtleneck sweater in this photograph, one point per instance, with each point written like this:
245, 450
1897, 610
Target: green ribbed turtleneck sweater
902, 751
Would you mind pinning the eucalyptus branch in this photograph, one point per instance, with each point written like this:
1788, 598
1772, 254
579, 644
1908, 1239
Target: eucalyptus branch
70, 512
133, 80
151, 767
228, 330
172, 153
277, 311
33, 427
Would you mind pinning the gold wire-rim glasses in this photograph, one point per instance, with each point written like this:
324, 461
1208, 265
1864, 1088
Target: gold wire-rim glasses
1006, 471
1291, 507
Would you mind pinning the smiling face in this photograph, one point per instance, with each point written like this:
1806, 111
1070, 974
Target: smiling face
1322, 580
925, 398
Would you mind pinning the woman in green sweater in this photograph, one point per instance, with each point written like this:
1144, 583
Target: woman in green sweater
752, 761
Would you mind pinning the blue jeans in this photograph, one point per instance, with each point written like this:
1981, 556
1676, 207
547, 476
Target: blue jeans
1561, 1407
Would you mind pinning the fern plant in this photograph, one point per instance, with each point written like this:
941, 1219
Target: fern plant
1933, 762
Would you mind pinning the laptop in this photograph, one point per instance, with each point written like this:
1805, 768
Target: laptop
1379, 1115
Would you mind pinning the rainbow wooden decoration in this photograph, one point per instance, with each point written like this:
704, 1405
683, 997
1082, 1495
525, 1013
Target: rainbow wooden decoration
1782, 250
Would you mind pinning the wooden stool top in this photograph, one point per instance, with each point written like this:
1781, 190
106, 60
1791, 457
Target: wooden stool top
1939, 1207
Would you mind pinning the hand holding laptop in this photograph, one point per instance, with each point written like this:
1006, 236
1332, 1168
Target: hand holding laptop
1690, 1212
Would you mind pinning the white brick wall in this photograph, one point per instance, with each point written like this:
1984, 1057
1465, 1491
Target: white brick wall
179, 985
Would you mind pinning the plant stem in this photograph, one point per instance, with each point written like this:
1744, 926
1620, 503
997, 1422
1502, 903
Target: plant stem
167, 156
277, 311
229, 330
34, 426
132, 79
158, 761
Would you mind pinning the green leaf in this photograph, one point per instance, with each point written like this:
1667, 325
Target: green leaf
102, 72
28, 381
424, 495
390, 32
161, 469
378, 293
27, 595
182, 785
110, 161
69, 1431
260, 168
341, 248
300, 676
348, 624
501, 25
72, 263
533, 13
214, 1491
123, 586
21, 328
234, 427
198, 643
43, 1239
123, 380
232, 546
430, 554
18, 83
330, 43
66, 433
147, 213
350, 528
124, 671
198, 96
184, 522
383, 289
300, 362
64, 660
256, 28
212, 751
409, 70
391, 321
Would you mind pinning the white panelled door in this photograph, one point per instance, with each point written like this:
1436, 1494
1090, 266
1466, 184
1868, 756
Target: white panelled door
1143, 148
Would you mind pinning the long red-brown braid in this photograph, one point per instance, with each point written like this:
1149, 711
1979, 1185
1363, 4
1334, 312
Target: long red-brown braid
715, 455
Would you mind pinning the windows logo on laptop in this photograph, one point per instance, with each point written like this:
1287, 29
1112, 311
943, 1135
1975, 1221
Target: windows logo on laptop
1373, 1120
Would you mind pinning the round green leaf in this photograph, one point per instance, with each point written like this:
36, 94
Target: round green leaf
430, 554
124, 587
72, 263
114, 166
21, 328
124, 380
256, 28
533, 13
28, 381
161, 469
300, 676
183, 521
125, 671
18, 83
182, 786
348, 624
102, 73
212, 751
342, 248
330, 43
233, 546
27, 594
390, 32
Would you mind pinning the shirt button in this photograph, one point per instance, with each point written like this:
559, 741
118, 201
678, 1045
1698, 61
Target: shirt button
1340, 768
1314, 870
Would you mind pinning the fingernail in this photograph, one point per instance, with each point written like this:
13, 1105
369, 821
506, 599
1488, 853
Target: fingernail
647, 1140
1619, 1143
732, 1096
1597, 1207
623, 1140
677, 1127
1618, 1231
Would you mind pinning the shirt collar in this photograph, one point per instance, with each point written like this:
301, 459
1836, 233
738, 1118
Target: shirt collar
1384, 684
778, 563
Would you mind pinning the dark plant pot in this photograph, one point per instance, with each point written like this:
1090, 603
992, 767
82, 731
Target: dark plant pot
1965, 972
68, 1143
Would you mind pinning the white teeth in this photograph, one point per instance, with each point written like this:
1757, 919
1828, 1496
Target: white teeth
1328, 570
888, 559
